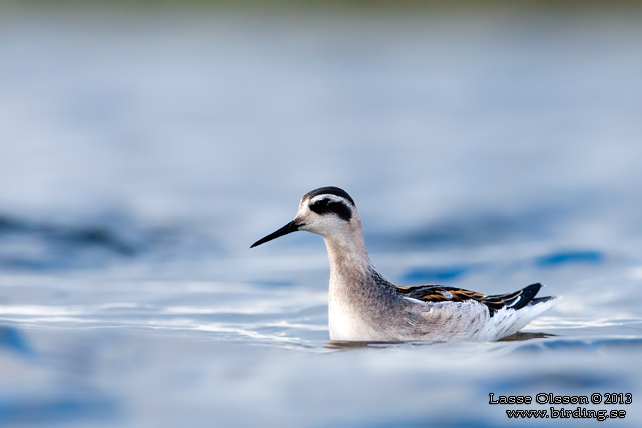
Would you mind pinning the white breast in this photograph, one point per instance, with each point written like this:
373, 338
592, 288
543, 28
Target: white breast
343, 322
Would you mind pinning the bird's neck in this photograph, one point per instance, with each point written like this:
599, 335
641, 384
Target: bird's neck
349, 262
354, 298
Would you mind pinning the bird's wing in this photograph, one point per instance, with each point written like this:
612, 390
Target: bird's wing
439, 293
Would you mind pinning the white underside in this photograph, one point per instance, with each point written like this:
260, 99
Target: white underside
345, 325
438, 322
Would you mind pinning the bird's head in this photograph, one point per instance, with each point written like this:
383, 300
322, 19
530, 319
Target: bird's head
326, 211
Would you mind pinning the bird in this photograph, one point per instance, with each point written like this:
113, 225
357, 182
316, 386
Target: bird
365, 307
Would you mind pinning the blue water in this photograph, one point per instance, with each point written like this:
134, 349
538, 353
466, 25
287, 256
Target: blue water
141, 154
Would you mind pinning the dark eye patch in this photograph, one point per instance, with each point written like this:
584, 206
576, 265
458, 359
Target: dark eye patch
326, 206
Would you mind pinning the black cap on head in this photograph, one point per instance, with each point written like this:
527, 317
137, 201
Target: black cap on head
330, 190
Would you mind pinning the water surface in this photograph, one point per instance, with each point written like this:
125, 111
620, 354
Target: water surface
142, 154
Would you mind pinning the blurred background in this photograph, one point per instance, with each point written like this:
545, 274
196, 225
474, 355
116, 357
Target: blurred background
145, 145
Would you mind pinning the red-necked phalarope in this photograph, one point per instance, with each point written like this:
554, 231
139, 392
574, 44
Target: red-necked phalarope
363, 306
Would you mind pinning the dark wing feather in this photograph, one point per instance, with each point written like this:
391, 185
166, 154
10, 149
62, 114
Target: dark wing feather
439, 293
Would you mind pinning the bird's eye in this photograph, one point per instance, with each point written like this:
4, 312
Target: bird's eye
319, 206
327, 206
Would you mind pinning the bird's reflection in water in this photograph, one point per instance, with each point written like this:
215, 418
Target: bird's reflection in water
345, 345
522, 336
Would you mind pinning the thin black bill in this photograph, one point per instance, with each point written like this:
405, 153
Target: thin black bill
288, 228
